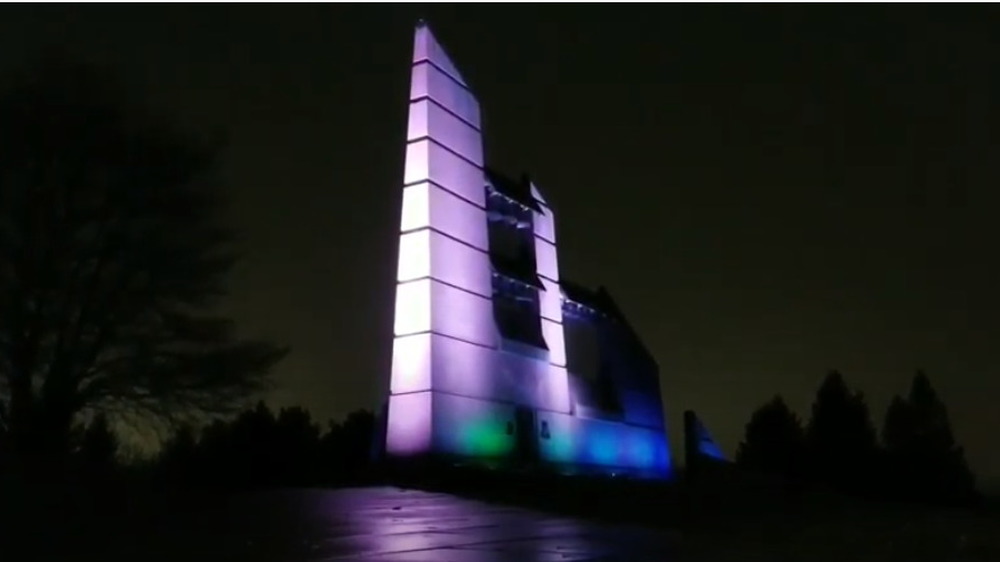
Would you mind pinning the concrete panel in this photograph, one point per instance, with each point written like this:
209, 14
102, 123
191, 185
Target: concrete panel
408, 429
427, 160
457, 264
462, 315
428, 119
411, 363
428, 81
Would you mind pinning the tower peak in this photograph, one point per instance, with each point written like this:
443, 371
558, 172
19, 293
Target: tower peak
427, 48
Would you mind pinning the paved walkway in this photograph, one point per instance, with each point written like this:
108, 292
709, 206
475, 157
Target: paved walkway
389, 525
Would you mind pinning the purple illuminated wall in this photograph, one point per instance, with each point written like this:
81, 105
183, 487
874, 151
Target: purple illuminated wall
456, 389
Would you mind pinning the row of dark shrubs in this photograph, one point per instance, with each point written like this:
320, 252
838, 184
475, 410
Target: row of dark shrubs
915, 458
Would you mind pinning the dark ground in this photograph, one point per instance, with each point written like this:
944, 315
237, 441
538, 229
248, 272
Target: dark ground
556, 520
726, 515
376, 524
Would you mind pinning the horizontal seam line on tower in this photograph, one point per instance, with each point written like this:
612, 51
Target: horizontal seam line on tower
544, 239
446, 110
447, 284
547, 278
462, 340
438, 67
446, 235
445, 189
481, 399
429, 138
484, 346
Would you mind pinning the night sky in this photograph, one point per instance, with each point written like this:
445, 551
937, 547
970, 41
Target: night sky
769, 192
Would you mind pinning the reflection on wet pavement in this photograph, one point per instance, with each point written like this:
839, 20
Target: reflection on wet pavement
387, 525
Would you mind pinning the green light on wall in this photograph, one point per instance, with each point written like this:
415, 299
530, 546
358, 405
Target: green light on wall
486, 438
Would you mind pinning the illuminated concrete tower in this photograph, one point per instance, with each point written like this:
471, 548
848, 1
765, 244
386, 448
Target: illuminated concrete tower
479, 367
448, 376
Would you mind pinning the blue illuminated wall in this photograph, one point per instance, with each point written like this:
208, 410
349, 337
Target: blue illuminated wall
699, 445
614, 388
594, 444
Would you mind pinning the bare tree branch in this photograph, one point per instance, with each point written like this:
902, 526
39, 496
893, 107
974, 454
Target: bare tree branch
112, 258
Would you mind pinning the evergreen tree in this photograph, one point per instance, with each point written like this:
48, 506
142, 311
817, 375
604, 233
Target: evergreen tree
774, 441
923, 461
841, 440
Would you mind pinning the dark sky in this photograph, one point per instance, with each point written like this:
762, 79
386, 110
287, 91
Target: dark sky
770, 192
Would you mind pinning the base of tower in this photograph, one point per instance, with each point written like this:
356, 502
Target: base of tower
580, 495
434, 464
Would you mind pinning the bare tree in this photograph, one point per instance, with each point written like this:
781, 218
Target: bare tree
112, 259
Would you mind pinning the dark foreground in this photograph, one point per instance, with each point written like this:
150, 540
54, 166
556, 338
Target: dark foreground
386, 524
380, 524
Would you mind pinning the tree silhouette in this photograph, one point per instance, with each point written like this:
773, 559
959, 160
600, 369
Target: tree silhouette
98, 449
296, 447
348, 446
179, 457
358, 432
259, 449
99, 441
774, 441
923, 461
111, 260
841, 440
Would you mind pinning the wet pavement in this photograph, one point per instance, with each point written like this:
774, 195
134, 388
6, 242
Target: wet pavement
385, 525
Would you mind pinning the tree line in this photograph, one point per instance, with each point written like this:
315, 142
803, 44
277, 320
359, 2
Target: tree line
914, 457
258, 448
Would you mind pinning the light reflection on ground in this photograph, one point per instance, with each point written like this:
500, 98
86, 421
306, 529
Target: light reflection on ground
386, 525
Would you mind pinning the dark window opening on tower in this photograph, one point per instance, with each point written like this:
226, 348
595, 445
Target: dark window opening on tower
583, 357
516, 306
511, 235
516, 310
